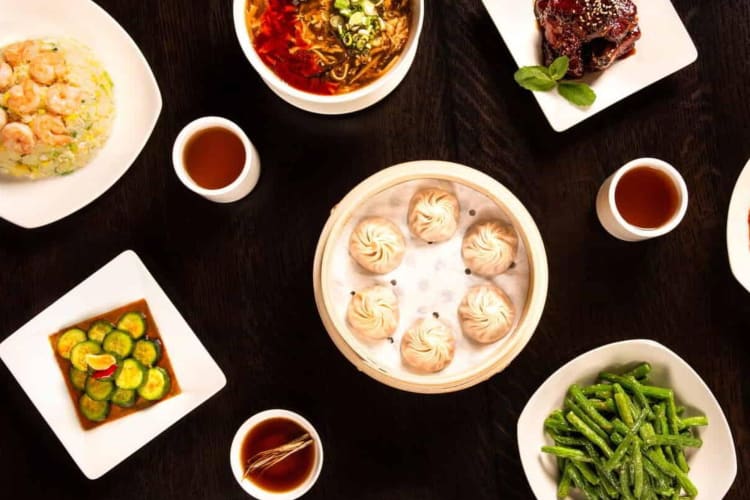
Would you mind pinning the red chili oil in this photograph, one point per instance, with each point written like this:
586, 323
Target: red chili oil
280, 33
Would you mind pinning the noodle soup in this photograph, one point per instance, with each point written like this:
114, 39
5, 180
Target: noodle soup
329, 47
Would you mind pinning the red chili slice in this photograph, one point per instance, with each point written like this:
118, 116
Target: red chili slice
105, 373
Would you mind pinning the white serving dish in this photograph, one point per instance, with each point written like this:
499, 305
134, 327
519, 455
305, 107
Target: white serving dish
713, 467
664, 48
138, 103
738, 229
29, 357
334, 274
238, 468
333, 104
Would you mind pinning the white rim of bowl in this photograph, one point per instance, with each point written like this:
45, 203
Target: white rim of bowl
267, 74
235, 458
193, 128
676, 178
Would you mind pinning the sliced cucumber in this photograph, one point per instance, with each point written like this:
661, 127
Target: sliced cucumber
119, 343
133, 322
130, 374
99, 329
124, 398
79, 352
78, 378
148, 352
96, 411
157, 384
68, 340
99, 390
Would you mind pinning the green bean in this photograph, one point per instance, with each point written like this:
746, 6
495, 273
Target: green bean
608, 480
586, 472
607, 405
616, 438
567, 440
556, 422
660, 424
584, 403
623, 408
582, 485
699, 421
591, 390
592, 436
637, 462
563, 452
637, 388
572, 406
674, 429
625, 483
619, 453
640, 371
563, 489
673, 440
680, 410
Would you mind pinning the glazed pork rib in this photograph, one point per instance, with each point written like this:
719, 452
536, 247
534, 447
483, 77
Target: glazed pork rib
592, 33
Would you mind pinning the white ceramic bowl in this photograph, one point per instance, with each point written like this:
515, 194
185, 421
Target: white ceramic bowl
332, 104
238, 470
713, 467
737, 229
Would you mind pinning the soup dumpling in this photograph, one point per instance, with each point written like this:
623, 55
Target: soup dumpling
433, 215
377, 245
486, 314
373, 312
428, 346
489, 248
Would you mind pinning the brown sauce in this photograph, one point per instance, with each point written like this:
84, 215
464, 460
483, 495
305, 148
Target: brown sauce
290, 472
647, 197
152, 333
214, 157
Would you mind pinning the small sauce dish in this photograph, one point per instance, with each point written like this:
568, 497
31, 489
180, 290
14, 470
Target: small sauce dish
290, 478
214, 158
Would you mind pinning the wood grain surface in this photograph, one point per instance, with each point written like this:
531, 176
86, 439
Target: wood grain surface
241, 273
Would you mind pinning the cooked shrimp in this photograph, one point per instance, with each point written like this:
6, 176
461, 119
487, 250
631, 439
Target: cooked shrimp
47, 67
18, 137
64, 99
21, 52
3, 118
50, 129
24, 98
6, 76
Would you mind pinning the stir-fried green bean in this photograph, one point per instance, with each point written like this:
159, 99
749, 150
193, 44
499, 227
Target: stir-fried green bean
623, 438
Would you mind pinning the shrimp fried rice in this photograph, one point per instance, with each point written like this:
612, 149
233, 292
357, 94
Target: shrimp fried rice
56, 107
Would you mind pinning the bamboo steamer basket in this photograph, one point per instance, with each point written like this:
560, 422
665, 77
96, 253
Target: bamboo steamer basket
524, 225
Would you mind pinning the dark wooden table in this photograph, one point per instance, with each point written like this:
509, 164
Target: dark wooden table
241, 274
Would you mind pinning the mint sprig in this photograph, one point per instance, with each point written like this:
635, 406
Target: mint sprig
543, 79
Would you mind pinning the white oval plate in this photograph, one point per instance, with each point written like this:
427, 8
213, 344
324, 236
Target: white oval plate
738, 229
713, 467
33, 204
664, 48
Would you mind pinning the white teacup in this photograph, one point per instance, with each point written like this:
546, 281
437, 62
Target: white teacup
615, 223
238, 469
242, 185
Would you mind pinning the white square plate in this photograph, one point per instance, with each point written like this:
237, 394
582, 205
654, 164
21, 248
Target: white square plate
738, 235
30, 358
138, 103
664, 48
713, 467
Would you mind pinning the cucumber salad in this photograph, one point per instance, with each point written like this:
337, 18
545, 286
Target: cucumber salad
114, 365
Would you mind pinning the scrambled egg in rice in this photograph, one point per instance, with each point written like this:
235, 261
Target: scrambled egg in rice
56, 107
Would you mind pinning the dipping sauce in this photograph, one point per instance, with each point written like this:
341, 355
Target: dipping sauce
214, 157
291, 472
647, 197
